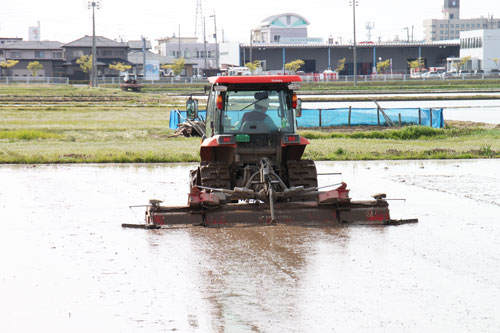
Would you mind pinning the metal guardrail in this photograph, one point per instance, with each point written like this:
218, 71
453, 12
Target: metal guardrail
33, 80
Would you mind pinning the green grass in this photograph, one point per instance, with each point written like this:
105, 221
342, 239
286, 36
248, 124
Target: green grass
405, 133
67, 124
28, 135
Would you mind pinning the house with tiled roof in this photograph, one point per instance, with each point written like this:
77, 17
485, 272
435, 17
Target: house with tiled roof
108, 52
48, 53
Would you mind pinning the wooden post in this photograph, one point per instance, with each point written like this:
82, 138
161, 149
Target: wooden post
400, 120
378, 116
419, 116
430, 117
349, 119
320, 118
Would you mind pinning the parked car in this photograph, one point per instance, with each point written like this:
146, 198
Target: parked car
464, 73
431, 75
445, 75
478, 73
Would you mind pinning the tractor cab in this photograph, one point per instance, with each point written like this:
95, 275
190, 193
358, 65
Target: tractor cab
252, 119
252, 105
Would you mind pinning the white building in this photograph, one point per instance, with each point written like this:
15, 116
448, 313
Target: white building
482, 46
288, 28
451, 25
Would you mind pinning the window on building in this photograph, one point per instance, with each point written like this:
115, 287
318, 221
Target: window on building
441, 32
15, 54
485, 26
77, 53
441, 26
498, 24
452, 32
39, 54
467, 25
277, 38
463, 25
57, 55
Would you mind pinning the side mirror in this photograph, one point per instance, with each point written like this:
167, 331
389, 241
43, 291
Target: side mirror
192, 108
298, 109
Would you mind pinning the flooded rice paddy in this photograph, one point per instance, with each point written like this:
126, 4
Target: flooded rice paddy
68, 266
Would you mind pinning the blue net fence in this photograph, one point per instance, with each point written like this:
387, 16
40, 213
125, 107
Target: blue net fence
352, 117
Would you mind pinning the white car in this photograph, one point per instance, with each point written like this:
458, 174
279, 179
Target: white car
430, 75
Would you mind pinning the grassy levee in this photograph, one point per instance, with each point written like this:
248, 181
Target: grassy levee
69, 124
454, 84
404, 86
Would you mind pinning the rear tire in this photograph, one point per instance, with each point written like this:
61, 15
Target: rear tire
215, 175
302, 173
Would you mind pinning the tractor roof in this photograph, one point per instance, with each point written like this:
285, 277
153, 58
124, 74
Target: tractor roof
254, 79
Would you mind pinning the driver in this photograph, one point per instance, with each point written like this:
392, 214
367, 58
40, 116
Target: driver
259, 114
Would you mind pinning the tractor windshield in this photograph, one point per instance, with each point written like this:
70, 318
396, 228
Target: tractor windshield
257, 112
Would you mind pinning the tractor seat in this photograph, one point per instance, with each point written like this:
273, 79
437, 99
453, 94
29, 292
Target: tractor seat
254, 127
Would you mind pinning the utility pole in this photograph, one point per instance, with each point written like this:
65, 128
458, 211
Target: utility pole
179, 42
216, 44
143, 57
204, 43
93, 76
251, 41
354, 3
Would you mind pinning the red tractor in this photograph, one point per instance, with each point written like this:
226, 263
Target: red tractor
251, 169
251, 125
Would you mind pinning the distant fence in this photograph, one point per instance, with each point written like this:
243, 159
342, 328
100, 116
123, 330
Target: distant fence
33, 80
353, 117
201, 80
310, 78
370, 117
162, 80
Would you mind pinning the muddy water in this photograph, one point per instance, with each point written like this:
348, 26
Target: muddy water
68, 266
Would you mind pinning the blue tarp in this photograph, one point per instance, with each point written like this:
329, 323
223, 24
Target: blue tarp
359, 116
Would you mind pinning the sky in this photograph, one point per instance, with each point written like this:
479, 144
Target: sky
68, 20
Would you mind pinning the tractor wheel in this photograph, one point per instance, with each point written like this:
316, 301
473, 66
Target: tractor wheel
303, 173
215, 175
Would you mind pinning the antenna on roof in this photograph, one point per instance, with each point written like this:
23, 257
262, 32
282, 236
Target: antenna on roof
198, 23
369, 27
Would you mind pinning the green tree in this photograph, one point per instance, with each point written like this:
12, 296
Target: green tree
383, 65
120, 67
177, 66
34, 67
418, 63
497, 62
293, 66
340, 65
460, 63
85, 62
252, 66
8, 64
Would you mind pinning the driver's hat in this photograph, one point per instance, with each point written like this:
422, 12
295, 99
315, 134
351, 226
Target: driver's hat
263, 103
